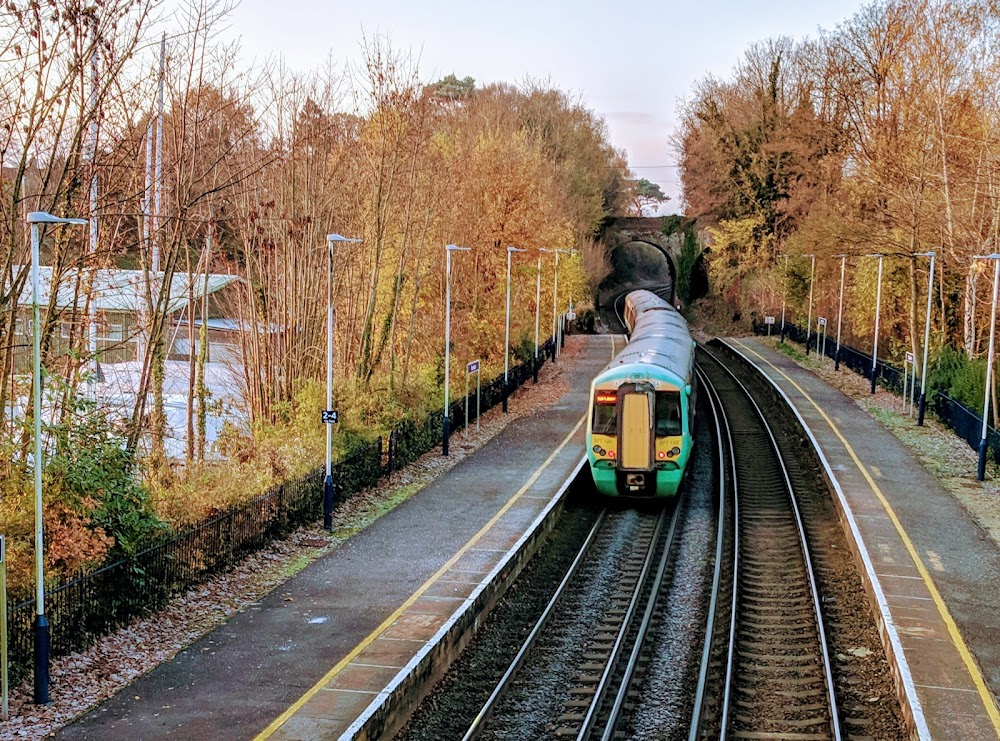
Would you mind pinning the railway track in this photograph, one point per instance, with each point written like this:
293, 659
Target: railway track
599, 665
766, 670
628, 551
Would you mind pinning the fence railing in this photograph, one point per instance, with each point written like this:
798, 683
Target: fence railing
960, 419
98, 602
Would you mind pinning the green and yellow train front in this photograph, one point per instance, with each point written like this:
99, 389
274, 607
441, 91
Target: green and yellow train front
639, 432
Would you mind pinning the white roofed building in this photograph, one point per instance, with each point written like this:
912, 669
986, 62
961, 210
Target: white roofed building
120, 300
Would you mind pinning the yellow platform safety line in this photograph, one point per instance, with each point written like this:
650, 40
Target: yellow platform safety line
371, 637
970, 663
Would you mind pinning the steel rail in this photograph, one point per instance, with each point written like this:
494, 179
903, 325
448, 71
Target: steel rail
803, 544
620, 299
647, 617
726, 448
590, 719
490, 705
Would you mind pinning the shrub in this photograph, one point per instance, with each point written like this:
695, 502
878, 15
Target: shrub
584, 322
960, 377
94, 478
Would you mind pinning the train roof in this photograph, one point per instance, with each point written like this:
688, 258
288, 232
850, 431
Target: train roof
660, 338
644, 300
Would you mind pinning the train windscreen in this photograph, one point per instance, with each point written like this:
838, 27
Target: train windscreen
605, 417
668, 414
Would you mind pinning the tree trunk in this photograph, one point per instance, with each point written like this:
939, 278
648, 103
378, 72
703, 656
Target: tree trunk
968, 320
192, 367
202, 390
916, 337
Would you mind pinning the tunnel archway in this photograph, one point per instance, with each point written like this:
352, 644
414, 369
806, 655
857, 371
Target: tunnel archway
639, 263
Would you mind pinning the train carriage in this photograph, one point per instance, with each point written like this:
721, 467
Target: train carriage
641, 420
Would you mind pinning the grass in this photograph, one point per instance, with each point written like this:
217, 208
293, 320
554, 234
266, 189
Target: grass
290, 569
382, 506
790, 351
363, 516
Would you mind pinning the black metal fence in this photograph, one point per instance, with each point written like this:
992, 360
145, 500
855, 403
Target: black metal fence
967, 424
963, 421
100, 601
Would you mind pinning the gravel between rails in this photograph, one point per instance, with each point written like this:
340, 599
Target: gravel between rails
780, 682
580, 630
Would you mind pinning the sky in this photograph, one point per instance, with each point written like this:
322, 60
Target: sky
631, 63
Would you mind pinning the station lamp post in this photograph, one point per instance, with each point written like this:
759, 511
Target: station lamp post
995, 257
784, 295
447, 342
878, 309
555, 299
555, 283
329, 416
840, 309
538, 305
922, 406
506, 343
812, 280
41, 625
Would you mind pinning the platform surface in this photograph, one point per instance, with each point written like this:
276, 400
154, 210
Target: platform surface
938, 570
309, 658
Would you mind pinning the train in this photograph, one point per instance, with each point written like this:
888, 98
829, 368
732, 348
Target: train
642, 405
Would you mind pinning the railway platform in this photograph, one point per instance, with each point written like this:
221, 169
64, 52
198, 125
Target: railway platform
327, 653
930, 570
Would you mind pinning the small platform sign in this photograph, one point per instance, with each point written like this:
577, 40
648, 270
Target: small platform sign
910, 359
769, 320
472, 367
571, 315
330, 416
822, 321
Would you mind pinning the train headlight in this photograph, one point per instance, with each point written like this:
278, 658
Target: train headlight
599, 450
674, 451
611, 454
661, 455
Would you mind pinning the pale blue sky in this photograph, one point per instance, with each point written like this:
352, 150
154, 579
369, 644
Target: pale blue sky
630, 62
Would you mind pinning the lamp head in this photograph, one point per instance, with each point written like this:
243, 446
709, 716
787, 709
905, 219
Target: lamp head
42, 217
339, 238
512, 248
456, 248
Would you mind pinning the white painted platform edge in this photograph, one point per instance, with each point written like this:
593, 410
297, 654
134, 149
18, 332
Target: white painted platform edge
916, 709
380, 699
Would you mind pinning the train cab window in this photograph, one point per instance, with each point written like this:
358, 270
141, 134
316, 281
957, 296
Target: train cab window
668, 414
605, 413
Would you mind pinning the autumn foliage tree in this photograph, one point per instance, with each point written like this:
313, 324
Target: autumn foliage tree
248, 172
878, 137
